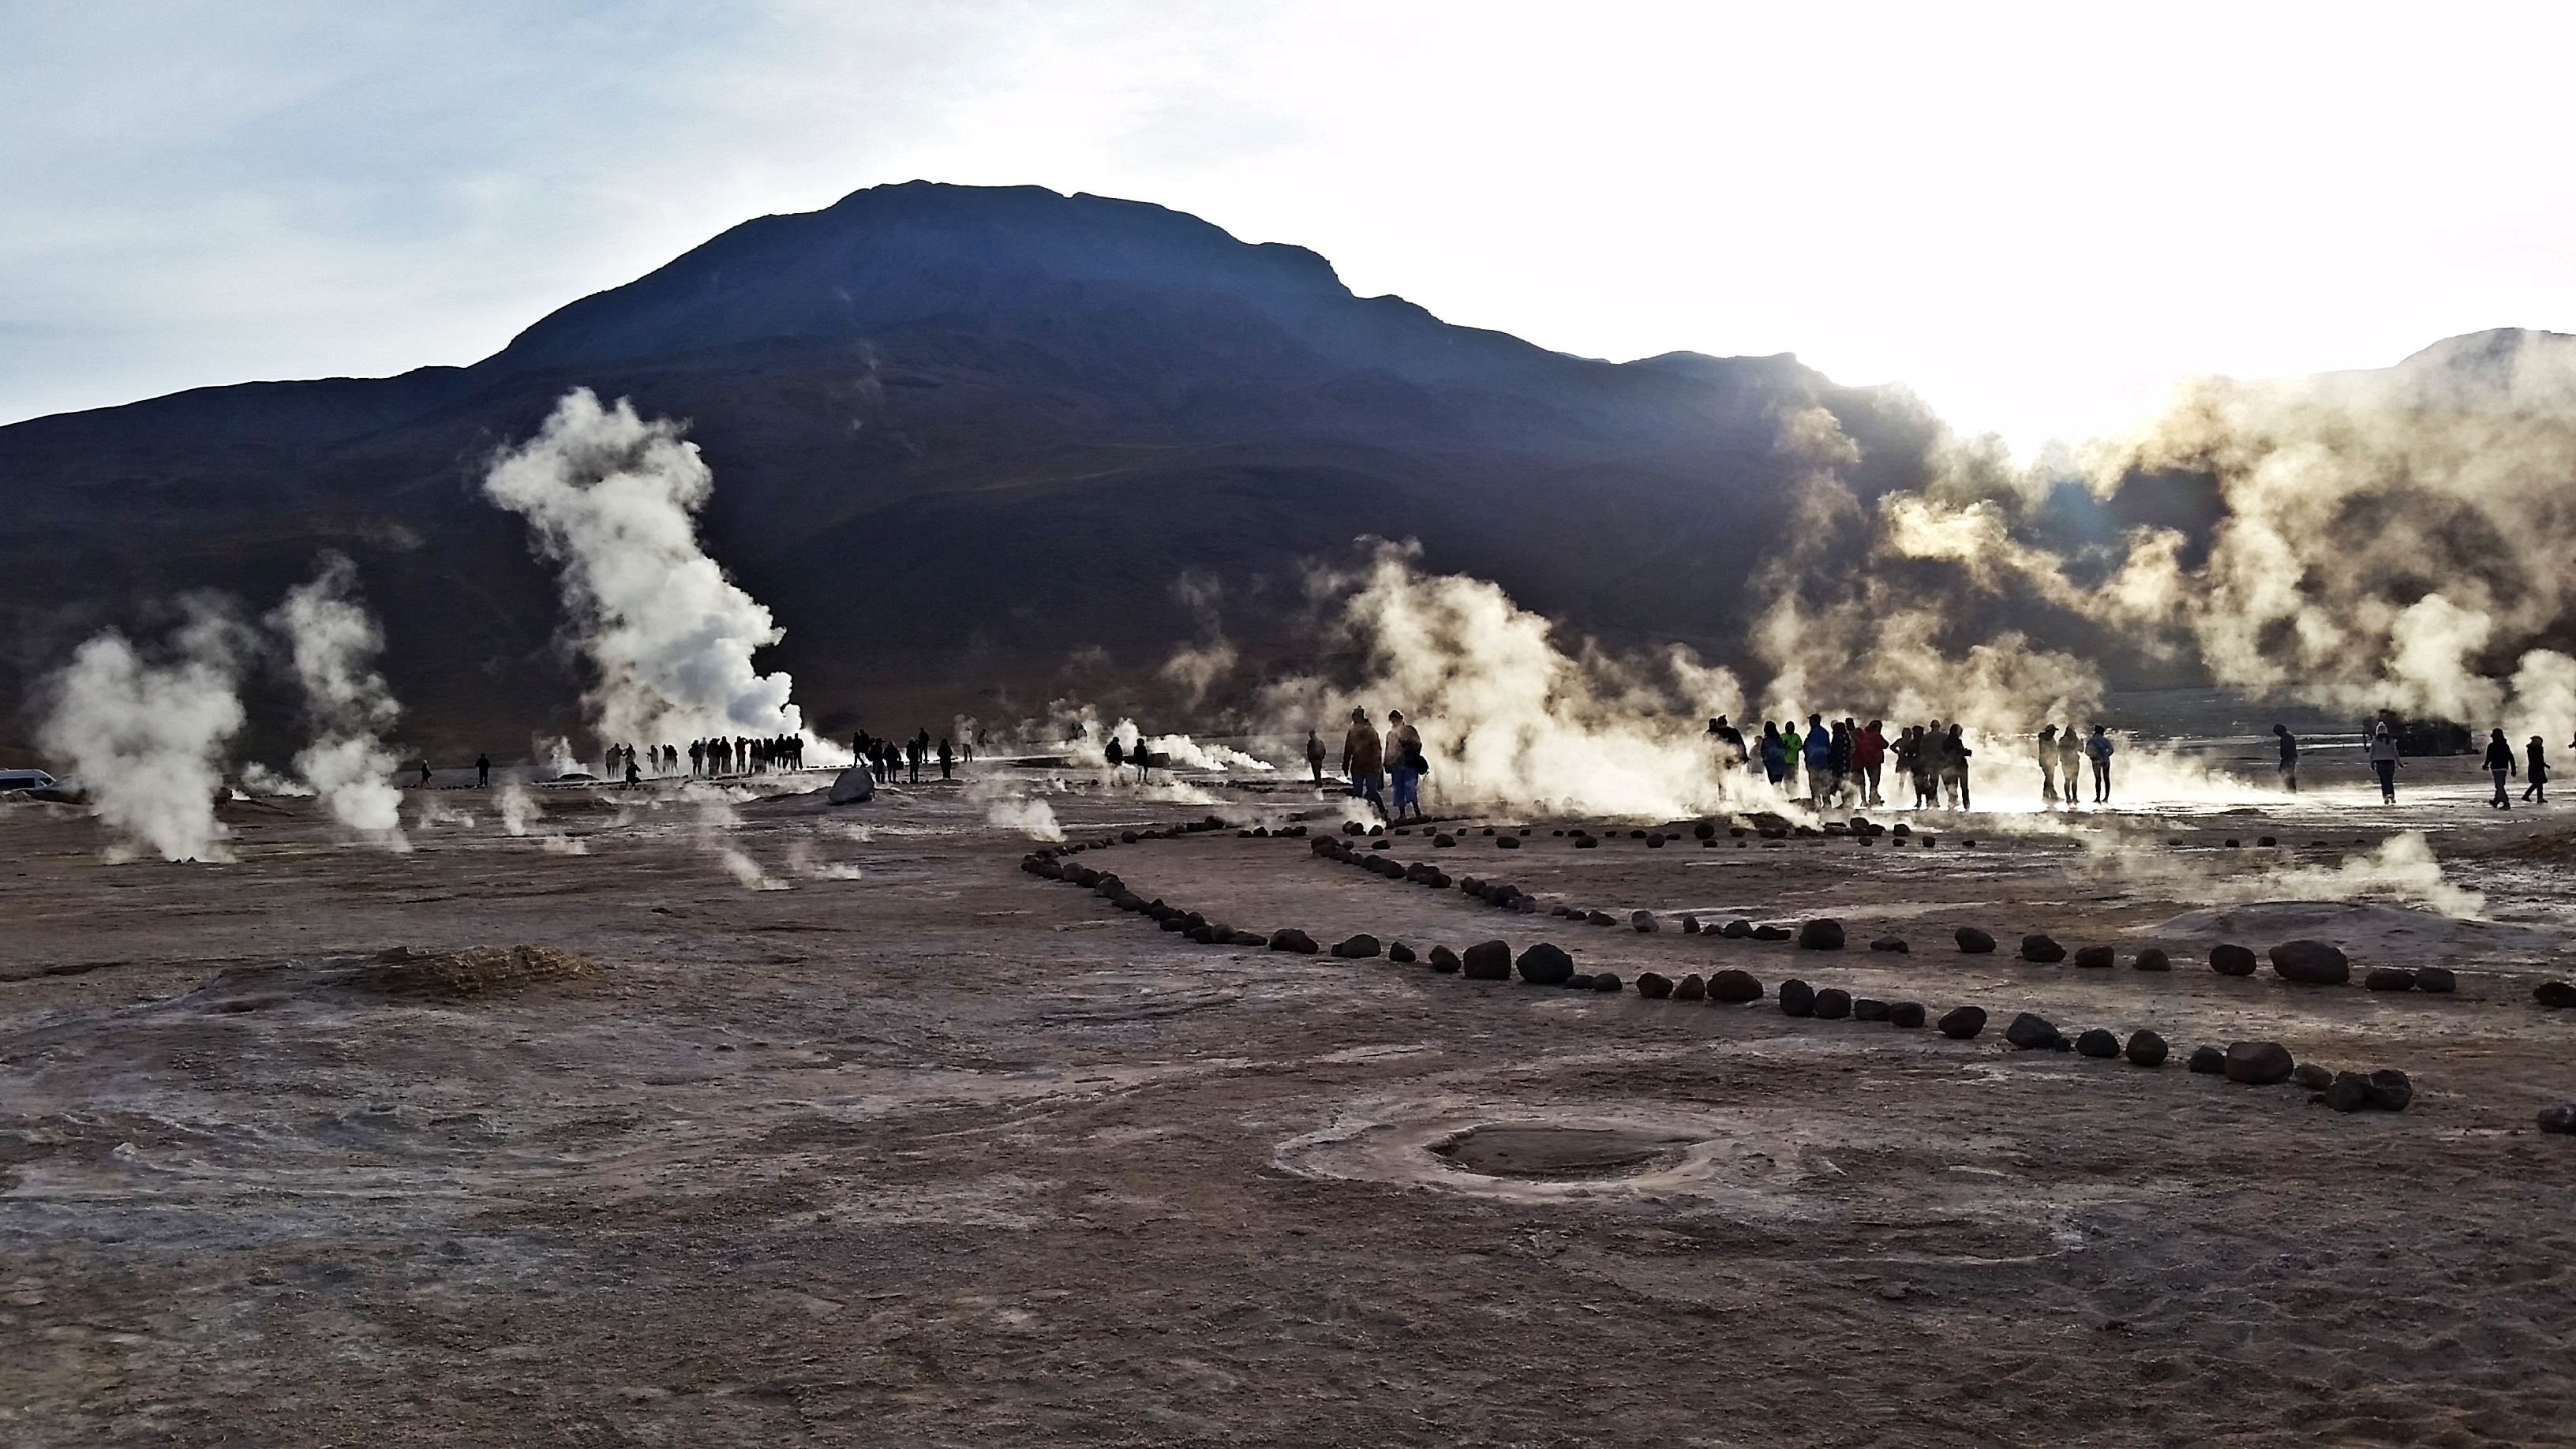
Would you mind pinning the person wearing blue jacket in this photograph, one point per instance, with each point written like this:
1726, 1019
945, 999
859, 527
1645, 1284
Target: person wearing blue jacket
1775, 755
1820, 756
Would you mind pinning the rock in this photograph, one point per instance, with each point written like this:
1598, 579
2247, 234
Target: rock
2258, 1063
1832, 1004
1204, 935
1443, 960
1599, 918
2556, 995
2559, 1117
1488, 961
2311, 1076
2098, 1043
1128, 901
853, 786
1177, 921
2207, 1060
1400, 953
2145, 1048
2311, 963
2231, 961
1251, 938
1605, 980
1973, 941
1546, 965
1444, 841
1690, 988
2345, 1091
1736, 930
1081, 875
2032, 1033
1690, 925
1643, 921
1525, 905
2042, 950
1588, 843
1654, 986
1734, 987
2440, 980
1891, 943
1797, 998
1704, 831
1160, 911
1358, 948
1821, 935
1353, 827
1868, 1008
2095, 958
1507, 842
2388, 978
2153, 959
1906, 1014
1962, 1023
1578, 983
2389, 1089
1655, 841
1772, 933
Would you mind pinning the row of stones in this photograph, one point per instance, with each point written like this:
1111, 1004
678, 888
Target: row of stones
1546, 964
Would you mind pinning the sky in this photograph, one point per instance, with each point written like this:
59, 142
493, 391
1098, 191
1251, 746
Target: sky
2037, 217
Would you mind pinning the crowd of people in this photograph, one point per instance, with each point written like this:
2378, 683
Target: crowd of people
1386, 770
890, 761
1841, 764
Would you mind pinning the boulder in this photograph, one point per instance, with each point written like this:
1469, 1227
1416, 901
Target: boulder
1654, 986
1444, 841
1734, 987
853, 786
1655, 841
1444, 960
1578, 983
2390, 1089
1772, 933
2145, 1048
1906, 1014
1488, 961
1868, 1008
1546, 965
1643, 921
1587, 842
1525, 904
2258, 1063
1704, 831
1821, 935
2559, 1117
1205, 935
2388, 978
1736, 930
1081, 875
2311, 963
1833, 1004
1690, 925
2556, 995
2095, 958
2231, 961
1690, 988
1963, 1022
2207, 1060
2153, 959
2311, 1076
1973, 941
2098, 1043
2440, 980
1251, 938
1605, 981
1599, 918
1358, 948
1160, 911
1401, 954
2346, 1092
2032, 1033
1797, 998
2042, 950
1507, 842
1892, 943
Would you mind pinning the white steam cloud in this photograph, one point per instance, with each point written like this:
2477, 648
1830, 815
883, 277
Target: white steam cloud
332, 644
611, 499
146, 737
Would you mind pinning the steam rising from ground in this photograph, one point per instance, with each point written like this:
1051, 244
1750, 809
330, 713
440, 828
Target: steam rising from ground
2401, 868
611, 500
332, 644
716, 820
146, 735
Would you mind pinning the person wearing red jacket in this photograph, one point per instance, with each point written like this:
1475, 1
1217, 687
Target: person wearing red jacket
1869, 752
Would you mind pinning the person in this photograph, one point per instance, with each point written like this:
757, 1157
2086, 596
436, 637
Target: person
1819, 754
633, 772
947, 759
2100, 748
1140, 757
1838, 759
2289, 758
2500, 765
2070, 764
1869, 756
424, 774
1729, 741
1363, 757
1909, 759
1954, 757
1315, 756
483, 771
1117, 754
1936, 762
2383, 762
2538, 773
1404, 765
1775, 755
2046, 753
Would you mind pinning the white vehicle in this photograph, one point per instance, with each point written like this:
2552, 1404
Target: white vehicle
25, 780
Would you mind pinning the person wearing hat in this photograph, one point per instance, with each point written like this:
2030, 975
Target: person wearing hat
1404, 764
1364, 761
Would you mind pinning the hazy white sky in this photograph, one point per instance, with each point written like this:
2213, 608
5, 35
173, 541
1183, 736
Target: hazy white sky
2036, 216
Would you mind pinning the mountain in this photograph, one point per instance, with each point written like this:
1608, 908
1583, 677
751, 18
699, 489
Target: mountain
965, 440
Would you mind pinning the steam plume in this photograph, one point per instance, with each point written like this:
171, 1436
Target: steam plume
147, 738
332, 643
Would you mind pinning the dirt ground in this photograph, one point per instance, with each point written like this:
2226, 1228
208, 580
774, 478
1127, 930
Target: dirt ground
920, 1149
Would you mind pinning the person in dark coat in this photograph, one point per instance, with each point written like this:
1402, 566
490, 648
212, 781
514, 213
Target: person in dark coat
2500, 764
2538, 773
